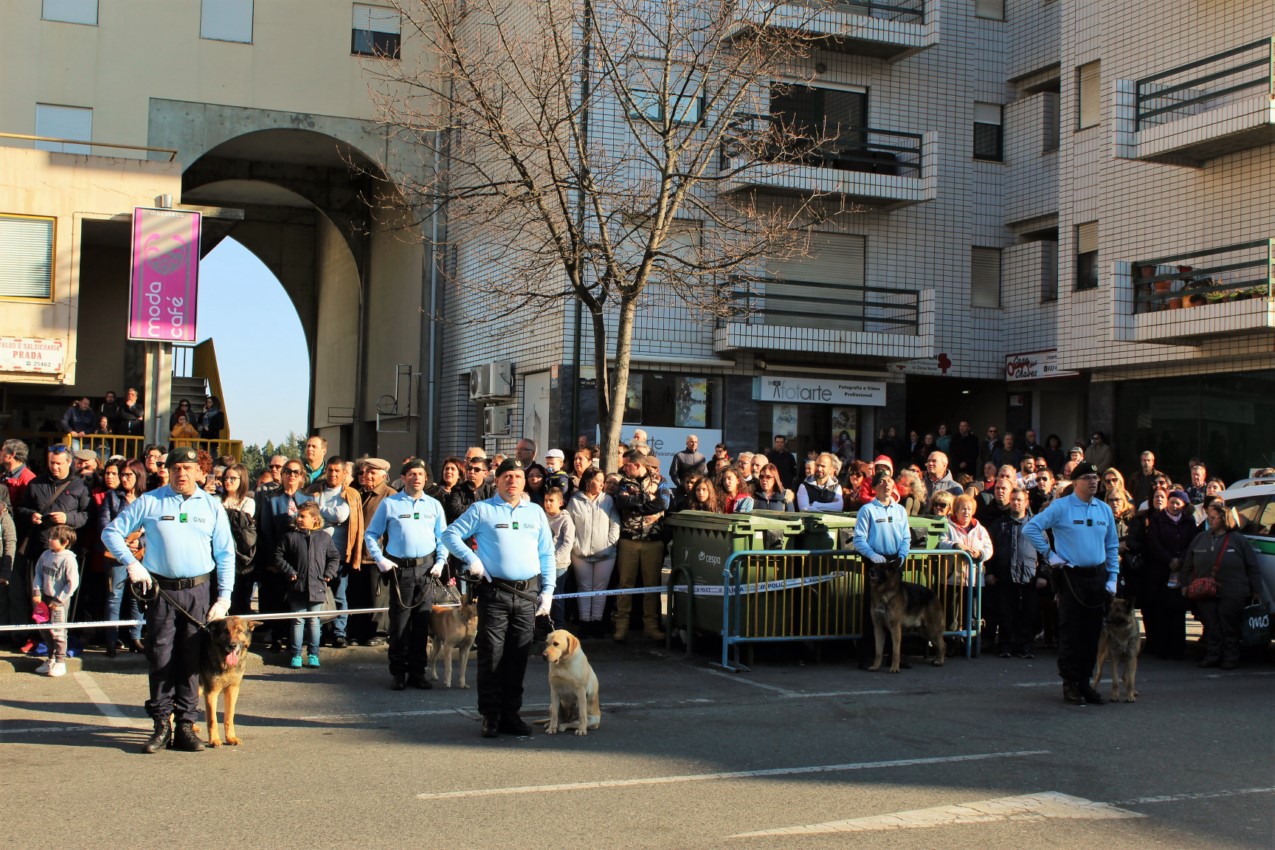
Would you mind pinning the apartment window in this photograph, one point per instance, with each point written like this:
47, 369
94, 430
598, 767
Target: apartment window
989, 136
985, 277
63, 122
226, 20
26, 257
836, 117
70, 11
1087, 255
682, 107
991, 9
1049, 271
1089, 88
376, 31
1052, 122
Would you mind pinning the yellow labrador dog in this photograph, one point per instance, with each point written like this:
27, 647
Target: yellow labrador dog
573, 686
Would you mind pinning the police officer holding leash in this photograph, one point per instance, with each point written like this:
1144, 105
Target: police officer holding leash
515, 556
414, 552
187, 538
1085, 564
880, 534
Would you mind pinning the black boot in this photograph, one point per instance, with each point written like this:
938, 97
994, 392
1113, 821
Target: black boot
491, 726
185, 739
159, 738
512, 724
1071, 693
1091, 696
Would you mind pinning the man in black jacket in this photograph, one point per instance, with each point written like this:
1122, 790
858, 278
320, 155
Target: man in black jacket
57, 497
785, 461
1015, 576
965, 451
688, 462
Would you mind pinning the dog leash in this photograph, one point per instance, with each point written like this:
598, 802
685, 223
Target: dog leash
142, 596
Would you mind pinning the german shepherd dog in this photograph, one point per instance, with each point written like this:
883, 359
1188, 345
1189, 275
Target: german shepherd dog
221, 669
452, 630
897, 603
1120, 641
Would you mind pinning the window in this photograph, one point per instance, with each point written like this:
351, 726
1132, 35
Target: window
991, 9
376, 31
989, 137
226, 20
1049, 271
1087, 255
985, 277
687, 107
834, 116
824, 289
1052, 122
659, 400
1089, 88
63, 122
26, 257
71, 11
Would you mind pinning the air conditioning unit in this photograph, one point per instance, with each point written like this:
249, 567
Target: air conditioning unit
496, 420
491, 380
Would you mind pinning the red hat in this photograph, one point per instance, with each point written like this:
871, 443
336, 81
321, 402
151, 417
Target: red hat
882, 460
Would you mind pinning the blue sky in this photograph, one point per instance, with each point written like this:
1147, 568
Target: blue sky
261, 350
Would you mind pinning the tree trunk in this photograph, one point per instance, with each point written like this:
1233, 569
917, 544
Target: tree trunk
601, 383
612, 423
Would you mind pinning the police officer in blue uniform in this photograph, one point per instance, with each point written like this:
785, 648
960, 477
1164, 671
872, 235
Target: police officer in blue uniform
1085, 566
515, 557
187, 539
880, 534
415, 555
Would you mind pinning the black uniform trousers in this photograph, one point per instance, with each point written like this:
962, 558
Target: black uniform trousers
506, 621
173, 645
1082, 604
411, 597
1018, 616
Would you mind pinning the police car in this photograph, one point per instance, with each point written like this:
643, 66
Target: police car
1254, 500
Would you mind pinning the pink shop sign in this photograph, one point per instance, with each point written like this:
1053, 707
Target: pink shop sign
164, 288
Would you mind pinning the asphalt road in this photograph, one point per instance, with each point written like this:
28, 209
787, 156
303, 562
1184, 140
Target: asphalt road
980, 752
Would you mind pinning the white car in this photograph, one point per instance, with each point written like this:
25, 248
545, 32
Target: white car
1254, 500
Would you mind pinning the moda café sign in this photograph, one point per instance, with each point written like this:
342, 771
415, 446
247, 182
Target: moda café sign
830, 391
165, 278
1034, 365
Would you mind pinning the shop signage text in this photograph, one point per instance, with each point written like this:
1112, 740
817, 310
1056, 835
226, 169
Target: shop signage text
28, 354
827, 391
164, 288
1034, 365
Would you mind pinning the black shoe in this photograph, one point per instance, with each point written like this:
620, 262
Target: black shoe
1027, 653
512, 724
374, 641
159, 738
421, 682
1072, 694
491, 726
185, 739
1005, 653
136, 645
1091, 696
112, 651
340, 643
400, 683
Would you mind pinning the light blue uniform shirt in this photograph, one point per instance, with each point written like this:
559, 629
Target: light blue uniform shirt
514, 542
186, 536
1084, 533
882, 530
415, 528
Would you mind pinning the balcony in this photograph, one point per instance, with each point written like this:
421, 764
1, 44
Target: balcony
881, 169
1209, 293
890, 31
850, 319
1200, 111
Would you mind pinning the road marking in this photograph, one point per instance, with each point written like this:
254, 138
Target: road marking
737, 774
826, 694
1199, 795
49, 730
111, 711
1052, 684
735, 677
1045, 805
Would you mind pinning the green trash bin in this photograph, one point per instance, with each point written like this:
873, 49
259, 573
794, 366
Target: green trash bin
703, 542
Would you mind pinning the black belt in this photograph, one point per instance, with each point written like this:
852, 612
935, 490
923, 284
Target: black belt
523, 586
1083, 570
413, 563
181, 583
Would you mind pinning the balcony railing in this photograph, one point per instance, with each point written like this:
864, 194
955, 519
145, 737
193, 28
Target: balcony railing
108, 445
889, 30
831, 306
1233, 273
1206, 83
869, 150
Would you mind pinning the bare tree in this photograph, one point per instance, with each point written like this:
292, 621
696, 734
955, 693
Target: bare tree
594, 149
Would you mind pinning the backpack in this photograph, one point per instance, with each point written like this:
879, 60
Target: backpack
243, 528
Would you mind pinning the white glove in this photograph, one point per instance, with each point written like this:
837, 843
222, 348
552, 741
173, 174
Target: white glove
546, 600
877, 559
1111, 587
1055, 560
437, 569
385, 565
219, 610
137, 574
476, 570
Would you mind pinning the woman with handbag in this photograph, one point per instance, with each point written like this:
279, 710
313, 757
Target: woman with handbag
1220, 576
119, 602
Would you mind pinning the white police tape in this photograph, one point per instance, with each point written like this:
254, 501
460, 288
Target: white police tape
699, 590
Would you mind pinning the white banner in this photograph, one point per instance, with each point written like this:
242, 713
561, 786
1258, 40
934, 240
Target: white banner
819, 391
29, 354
